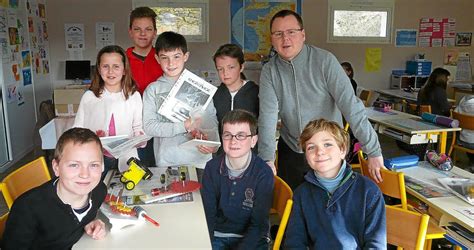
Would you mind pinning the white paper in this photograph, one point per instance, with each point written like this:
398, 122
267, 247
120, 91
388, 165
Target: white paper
74, 34
104, 34
196, 142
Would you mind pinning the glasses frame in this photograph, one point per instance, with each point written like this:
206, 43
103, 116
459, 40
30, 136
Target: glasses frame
235, 136
289, 32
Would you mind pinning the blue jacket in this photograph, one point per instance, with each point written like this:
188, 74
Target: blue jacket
239, 206
353, 217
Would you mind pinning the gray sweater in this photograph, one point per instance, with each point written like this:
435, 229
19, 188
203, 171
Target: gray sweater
168, 135
313, 85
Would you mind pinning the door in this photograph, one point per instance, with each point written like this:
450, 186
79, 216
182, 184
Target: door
3, 135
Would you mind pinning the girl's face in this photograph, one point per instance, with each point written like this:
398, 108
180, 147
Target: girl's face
347, 70
324, 155
112, 70
229, 70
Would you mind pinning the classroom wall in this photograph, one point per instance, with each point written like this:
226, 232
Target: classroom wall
407, 16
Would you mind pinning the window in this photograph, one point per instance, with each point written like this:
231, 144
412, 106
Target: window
360, 21
187, 17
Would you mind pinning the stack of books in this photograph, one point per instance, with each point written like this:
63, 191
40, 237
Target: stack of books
459, 236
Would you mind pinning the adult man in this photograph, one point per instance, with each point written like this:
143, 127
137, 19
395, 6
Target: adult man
303, 83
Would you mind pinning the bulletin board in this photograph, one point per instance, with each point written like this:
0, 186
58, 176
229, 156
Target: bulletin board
437, 32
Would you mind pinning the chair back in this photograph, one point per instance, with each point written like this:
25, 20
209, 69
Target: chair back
405, 228
465, 121
282, 204
393, 184
3, 217
365, 96
25, 178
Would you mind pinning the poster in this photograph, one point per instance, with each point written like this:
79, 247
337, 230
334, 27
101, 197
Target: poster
104, 34
26, 77
74, 33
463, 38
437, 32
373, 59
405, 38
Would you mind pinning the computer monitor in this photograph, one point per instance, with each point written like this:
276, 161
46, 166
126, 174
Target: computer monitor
78, 70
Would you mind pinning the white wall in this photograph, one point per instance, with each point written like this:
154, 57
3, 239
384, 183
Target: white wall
407, 15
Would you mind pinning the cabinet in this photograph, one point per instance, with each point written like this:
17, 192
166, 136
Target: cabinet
407, 81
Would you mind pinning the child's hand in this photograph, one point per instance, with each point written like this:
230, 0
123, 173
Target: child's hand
140, 145
206, 149
96, 229
100, 133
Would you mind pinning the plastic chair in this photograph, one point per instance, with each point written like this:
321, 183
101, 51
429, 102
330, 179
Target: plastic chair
405, 228
281, 205
3, 217
393, 185
465, 122
25, 178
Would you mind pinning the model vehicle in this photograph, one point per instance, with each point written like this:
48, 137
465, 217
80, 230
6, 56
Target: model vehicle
136, 172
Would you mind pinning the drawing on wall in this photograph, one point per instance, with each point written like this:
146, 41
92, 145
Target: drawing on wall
4, 3
463, 38
31, 28
26, 58
26, 77
4, 49
20, 100
14, 4
13, 35
45, 30
41, 10
16, 72
3, 23
11, 96
45, 67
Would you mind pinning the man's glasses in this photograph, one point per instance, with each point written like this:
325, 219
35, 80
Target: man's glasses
240, 136
289, 33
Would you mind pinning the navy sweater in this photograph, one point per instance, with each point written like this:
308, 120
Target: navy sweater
239, 206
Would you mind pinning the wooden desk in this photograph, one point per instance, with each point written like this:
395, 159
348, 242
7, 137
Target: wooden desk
182, 225
444, 209
408, 128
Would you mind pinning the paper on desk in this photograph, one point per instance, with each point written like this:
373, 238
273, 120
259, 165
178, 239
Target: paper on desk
466, 211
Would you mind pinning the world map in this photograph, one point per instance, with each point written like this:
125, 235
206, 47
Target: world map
250, 25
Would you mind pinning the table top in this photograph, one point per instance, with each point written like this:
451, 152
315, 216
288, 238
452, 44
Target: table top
182, 225
412, 96
405, 122
450, 206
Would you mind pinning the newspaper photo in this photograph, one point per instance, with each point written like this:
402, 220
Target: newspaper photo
121, 144
190, 92
463, 188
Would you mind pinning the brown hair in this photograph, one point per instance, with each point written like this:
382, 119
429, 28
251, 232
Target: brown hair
241, 116
340, 135
347, 66
233, 51
438, 78
128, 85
284, 13
142, 12
75, 135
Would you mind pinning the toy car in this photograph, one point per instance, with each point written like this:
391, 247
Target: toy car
135, 173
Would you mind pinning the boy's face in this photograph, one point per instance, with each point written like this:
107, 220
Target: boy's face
233, 147
172, 62
229, 70
324, 155
142, 32
79, 169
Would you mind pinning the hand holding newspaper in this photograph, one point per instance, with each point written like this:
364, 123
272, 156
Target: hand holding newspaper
121, 144
190, 92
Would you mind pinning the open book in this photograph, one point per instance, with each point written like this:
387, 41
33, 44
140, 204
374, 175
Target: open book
190, 92
463, 188
121, 144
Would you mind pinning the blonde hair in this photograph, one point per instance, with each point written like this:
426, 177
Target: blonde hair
340, 135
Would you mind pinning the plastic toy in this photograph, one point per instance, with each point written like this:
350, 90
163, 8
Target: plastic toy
135, 173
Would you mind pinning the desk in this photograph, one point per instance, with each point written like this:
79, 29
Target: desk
408, 128
399, 94
182, 225
444, 209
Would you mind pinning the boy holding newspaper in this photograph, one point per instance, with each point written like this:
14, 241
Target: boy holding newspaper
173, 126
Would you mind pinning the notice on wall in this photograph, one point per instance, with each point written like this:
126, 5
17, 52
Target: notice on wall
405, 38
373, 59
74, 34
437, 32
104, 35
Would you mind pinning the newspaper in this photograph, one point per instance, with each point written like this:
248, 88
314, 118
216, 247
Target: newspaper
121, 144
463, 188
190, 92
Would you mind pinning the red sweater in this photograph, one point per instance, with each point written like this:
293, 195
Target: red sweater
144, 72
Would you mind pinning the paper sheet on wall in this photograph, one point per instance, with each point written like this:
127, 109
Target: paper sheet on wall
104, 34
74, 35
464, 71
373, 59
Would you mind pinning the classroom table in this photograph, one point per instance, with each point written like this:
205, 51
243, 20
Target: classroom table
448, 207
408, 128
399, 94
182, 225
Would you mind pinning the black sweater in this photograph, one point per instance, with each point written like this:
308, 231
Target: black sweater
38, 219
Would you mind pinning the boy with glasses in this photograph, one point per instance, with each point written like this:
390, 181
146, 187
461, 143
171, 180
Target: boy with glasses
303, 83
237, 188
